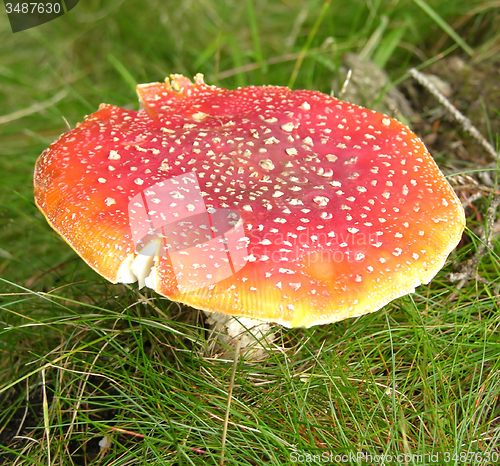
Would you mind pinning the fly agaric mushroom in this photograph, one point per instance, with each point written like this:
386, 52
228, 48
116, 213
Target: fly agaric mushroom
283, 206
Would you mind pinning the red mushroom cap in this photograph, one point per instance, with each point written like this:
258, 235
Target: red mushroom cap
285, 206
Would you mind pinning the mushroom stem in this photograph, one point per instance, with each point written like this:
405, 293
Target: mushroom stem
253, 336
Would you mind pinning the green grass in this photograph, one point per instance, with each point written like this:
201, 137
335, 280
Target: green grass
81, 359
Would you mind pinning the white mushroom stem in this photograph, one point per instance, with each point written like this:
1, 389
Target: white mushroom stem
255, 336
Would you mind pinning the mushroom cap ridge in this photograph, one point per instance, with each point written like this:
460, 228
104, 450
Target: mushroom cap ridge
343, 208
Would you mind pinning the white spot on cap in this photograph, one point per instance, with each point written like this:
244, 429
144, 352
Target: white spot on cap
325, 173
102, 180
288, 127
305, 106
109, 201
386, 121
139, 181
113, 155
322, 201
199, 116
266, 164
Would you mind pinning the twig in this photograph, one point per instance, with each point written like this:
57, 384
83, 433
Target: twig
457, 115
470, 200
478, 188
469, 268
346, 83
229, 398
34, 108
46, 423
127, 432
